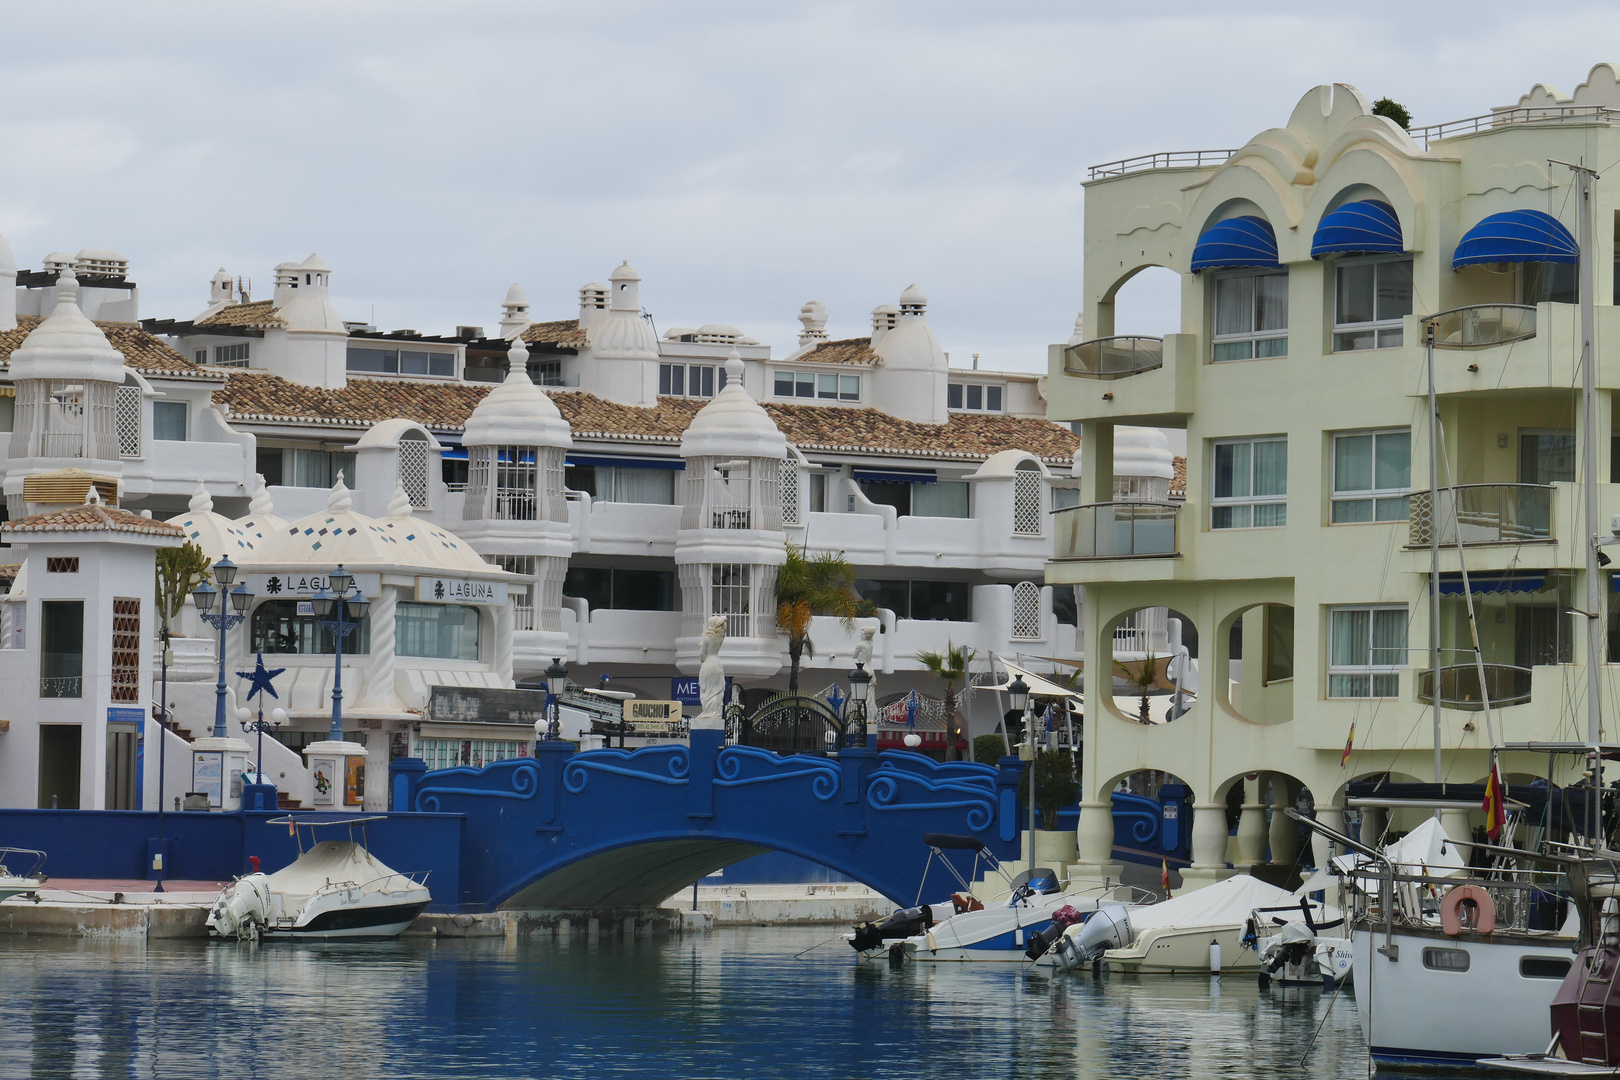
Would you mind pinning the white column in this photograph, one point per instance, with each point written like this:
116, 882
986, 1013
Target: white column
1208, 847
1284, 829
502, 660
378, 689
1094, 841
1251, 830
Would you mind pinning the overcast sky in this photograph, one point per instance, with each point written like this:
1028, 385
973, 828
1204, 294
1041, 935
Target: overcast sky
745, 157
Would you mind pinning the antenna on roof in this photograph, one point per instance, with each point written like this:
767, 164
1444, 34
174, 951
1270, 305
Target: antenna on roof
244, 289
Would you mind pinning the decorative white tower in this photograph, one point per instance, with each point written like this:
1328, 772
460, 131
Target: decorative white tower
516, 515
514, 313
624, 351
67, 375
915, 368
315, 341
731, 540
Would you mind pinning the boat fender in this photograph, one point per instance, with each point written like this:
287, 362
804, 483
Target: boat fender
1467, 908
1214, 957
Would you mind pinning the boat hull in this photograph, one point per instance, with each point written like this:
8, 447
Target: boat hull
1182, 950
381, 921
1417, 1013
992, 935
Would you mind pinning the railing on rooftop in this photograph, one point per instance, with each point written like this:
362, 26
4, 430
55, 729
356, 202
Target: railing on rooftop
1484, 514
1481, 326
1459, 686
1116, 530
1164, 159
1113, 357
1540, 114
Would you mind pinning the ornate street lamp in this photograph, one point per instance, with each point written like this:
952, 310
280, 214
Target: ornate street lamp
860, 683
258, 685
556, 683
340, 611
241, 598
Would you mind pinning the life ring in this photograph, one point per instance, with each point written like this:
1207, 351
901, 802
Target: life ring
1483, 919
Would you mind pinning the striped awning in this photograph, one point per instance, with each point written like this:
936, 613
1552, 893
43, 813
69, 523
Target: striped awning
1239, 241
1366, 227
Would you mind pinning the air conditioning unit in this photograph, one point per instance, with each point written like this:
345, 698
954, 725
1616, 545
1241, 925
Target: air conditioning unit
469, 331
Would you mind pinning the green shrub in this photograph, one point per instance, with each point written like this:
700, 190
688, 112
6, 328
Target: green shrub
988, 749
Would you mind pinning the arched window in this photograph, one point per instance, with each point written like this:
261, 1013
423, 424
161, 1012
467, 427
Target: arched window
1027, 500
1026, 611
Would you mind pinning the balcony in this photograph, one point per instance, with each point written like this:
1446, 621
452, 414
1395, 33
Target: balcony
1113, 357
1483, 514
1116, 530
1459, 686
1482, 326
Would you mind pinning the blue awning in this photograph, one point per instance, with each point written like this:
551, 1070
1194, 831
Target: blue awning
1358, 228
1516, 236
1452, 585
896, 476
1239, 241
605, 462
454, 453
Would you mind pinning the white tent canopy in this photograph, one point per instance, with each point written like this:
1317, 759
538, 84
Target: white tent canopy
1039, 686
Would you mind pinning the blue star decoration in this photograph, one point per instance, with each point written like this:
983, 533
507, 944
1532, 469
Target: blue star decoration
259, 679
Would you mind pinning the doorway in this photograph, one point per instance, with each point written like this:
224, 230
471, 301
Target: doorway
59, 757
121, 767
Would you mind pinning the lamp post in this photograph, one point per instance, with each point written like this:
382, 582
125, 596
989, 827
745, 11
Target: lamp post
340, 611
1018, 694
556, 683
278, 716
860, 683
228, 616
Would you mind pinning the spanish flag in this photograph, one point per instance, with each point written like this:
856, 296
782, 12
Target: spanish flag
1349, 744
1164, 877
1494, 805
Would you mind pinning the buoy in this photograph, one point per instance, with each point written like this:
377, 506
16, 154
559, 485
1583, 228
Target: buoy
1214, 956
1481, 911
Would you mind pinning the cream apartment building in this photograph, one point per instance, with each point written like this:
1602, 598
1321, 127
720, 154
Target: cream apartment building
1309, 259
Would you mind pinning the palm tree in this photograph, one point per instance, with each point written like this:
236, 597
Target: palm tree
1144, 679
951, 667
806, 586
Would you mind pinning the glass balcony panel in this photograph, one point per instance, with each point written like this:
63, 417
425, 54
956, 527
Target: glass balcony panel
1483, 514
1459, 686
1482, 326
1117, 530
1114, 357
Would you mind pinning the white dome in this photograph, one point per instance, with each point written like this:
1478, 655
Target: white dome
1142, 452
517, 412
625, 272
622, 335
733, 424
913, 297
67, 345
215, 534
515, 297
911, 346
389, 432
338, 534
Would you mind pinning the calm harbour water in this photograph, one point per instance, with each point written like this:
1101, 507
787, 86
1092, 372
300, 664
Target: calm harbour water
731, 1004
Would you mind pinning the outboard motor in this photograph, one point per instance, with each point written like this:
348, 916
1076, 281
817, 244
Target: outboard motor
1042, 940
1108, 928
907, 922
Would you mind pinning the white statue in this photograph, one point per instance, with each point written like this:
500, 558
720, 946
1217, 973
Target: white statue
712, 677
863, 656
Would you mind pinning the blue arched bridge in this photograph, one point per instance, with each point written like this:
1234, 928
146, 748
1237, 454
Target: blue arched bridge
617, 828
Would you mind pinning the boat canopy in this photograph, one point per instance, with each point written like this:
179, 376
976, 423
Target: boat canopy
1225, 903
1238, 241
1039, 686
1366, 227
1516, 236
952, 842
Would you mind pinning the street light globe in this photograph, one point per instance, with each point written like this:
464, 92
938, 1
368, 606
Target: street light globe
913, 740
541, 727
244, 715
278, 715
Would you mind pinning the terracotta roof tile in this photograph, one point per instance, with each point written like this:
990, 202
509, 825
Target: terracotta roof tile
848, 351
561, 332
141, 350
251, 395
93, 517
256, 314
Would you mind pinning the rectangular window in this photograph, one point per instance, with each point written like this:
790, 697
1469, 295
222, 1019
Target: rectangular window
827, 387
312, 468
169, 421
199, 356
437, 364
1372, 475
1445, 959
231, 355
804, 384
1546, 457
973, 397
926, 600
1370, 298
1550, 283
953, 396
687, 380
1366, 650
1250, 484
438, 631
1543, 967
126, 650
729, 587
1251, 315
61, 648
468, 753
623, 589
374, 361
818, 493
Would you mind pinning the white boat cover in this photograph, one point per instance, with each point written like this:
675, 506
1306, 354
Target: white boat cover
334, 862
1418, 852
1225, 903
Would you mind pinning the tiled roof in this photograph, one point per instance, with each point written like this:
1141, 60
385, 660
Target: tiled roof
257, 395
1178, 482
561, 332
253, 395
92, 517
141, 350
256, 314
849, 351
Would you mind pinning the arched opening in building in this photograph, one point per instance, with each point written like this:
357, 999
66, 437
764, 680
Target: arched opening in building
1259, 670
1153, 660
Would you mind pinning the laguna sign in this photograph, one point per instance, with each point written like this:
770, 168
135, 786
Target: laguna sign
448, 590
296, 584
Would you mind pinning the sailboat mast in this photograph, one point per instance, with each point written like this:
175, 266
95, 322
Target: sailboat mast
1434, 551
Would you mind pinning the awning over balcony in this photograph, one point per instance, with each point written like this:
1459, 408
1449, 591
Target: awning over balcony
1359, 228
1239, 241
896, 476
1518, 581
1516, 236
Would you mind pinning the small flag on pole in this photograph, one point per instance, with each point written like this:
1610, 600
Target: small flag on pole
1349, 744
1495, 805
1164, 877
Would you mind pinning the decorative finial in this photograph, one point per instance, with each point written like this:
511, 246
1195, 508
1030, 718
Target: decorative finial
517, 361
400, 505
261, 506
201, 501
734, 370
93, 496
67, 286
340, 500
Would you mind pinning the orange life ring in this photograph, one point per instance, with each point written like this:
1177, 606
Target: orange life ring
1483, 915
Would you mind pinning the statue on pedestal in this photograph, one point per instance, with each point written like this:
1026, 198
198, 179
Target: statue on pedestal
863, 656
712, 677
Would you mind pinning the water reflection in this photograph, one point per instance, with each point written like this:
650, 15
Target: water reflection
733, 1004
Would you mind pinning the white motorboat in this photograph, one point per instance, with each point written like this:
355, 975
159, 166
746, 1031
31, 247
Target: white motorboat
1297, 953
1005, 929
17, 882
335, 889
